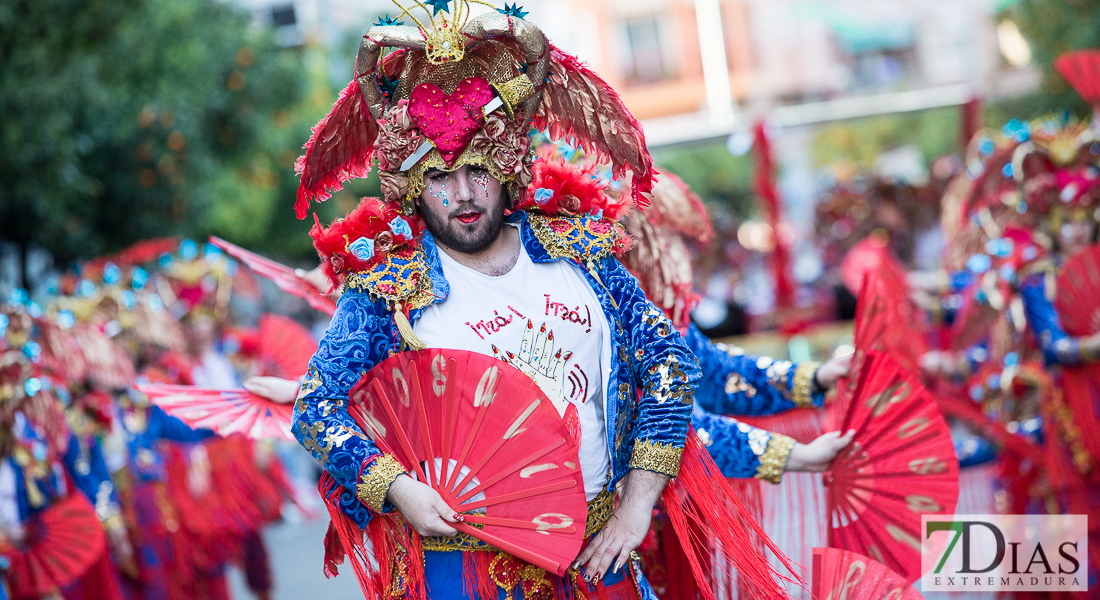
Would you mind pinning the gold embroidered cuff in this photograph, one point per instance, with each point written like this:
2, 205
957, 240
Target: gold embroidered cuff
376, 481
774, 460
657, 457
514, 92
803, 390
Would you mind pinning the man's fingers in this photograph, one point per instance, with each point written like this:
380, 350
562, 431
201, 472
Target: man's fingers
600, 563
596, 544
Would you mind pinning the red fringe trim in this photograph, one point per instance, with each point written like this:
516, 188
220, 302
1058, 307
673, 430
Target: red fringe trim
396, 549
710, 520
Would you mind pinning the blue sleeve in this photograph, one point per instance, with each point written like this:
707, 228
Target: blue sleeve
85, 462
737, 448
166, 427
973, 451
1058, 347
356, 339
663, 369
735, 383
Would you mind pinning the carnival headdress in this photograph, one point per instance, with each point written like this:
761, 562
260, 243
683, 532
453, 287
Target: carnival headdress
458, 90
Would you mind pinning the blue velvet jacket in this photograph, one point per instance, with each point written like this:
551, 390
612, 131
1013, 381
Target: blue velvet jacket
1037, 291
649, 392
145, 426
735, 383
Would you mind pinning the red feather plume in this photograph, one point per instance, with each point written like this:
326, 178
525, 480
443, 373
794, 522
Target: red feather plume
340, 148
575, 189
577, 103
371, 218
1082, 70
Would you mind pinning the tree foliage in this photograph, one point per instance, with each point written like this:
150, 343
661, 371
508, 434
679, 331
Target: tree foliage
1053, 27
127, 119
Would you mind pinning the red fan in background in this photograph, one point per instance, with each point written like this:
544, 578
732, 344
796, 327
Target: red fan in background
887, 321
511, 465
282, 348
61, 543
285, 347
871, 255
844, 574
900, 465
283, 276
224, 411
1078, 305
1082, 70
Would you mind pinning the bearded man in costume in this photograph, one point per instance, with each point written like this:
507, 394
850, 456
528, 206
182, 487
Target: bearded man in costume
465, 253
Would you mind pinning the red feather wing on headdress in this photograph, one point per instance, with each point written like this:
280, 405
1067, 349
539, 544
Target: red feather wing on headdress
577, 103
339, 149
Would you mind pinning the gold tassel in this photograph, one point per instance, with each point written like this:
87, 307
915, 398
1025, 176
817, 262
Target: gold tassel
406, 329
592, 270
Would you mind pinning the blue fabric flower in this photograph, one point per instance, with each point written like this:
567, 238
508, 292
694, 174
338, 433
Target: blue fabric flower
543, 195
1000, 247
400, 226
362, 248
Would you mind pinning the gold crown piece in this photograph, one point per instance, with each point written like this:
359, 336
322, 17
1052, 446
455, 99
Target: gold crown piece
443, 39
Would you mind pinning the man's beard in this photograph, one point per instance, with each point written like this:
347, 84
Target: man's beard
452, 234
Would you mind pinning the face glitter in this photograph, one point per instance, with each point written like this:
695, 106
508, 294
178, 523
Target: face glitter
436, 190
482, 179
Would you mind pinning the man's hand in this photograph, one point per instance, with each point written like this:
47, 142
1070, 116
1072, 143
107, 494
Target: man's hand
626, 529
422, 507
833, 369
316, 278
816, 456
276, 389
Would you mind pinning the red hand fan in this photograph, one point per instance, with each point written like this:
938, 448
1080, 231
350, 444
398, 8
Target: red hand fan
61, 543
1082, 70
900, 465
844, 574
285, 347
511, 465
1078, 305
1078, 298
224, 411
886, 321
867, 256
282, 275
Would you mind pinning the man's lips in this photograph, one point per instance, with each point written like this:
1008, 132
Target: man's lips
468, 218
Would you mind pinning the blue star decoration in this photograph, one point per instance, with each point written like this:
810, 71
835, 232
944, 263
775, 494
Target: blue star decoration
439, 5
386, 20
514, 10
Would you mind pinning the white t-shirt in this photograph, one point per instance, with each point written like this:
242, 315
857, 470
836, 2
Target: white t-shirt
544, 319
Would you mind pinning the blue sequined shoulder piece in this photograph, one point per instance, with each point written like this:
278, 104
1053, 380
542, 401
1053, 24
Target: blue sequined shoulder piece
402, 276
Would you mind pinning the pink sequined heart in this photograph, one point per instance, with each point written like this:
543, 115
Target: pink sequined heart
450, 120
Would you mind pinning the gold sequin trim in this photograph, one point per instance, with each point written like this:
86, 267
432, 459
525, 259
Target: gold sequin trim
657, 457
402, 276
600, 509
583, 239
377, 479
774, 460
514, 92
803, 392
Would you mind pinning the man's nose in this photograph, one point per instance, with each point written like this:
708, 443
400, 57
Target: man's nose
464, 189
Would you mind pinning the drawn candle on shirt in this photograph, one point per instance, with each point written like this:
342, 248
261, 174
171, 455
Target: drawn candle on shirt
436, 190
